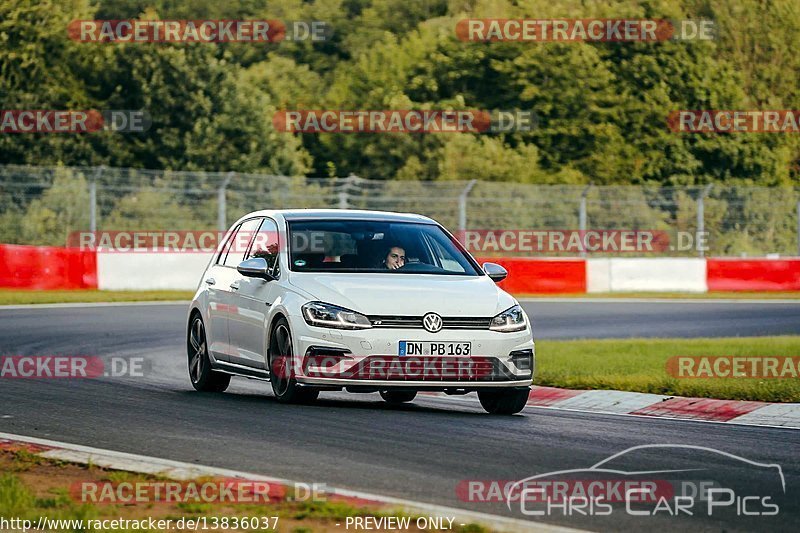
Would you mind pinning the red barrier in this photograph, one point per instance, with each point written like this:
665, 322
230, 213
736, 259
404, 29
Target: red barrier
46, 268
540, 275
753, 274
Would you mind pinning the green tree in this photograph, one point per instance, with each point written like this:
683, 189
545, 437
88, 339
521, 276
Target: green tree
62, 209
150, 209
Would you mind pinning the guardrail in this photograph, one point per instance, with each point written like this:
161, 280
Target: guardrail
49, 267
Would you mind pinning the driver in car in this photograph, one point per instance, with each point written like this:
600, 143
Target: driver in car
395, 258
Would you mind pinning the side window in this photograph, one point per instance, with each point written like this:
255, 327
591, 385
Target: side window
266, 245
240, 242
227, 247
447, 261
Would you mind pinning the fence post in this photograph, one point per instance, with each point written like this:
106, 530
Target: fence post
344, 201
93, 199
582, 218
701, 219
222, 214
462, 206
344, 194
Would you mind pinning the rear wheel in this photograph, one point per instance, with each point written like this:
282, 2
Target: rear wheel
398, 396
204, 379
504, 402
281, 367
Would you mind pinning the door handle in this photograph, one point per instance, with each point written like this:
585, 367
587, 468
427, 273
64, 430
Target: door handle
210, 281
234, 285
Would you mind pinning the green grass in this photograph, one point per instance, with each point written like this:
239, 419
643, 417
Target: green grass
22, 297
19, 297
640, 365
791, 295
18, 499
25, 460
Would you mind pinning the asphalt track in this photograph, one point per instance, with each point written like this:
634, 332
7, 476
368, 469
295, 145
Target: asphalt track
417, 452
604, 319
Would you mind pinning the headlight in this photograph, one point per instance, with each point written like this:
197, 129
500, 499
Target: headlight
332, 316
509, 320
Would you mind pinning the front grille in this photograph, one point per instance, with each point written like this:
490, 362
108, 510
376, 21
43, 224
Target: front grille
466, 323
415, 322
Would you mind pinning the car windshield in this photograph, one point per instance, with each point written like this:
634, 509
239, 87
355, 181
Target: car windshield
376, 247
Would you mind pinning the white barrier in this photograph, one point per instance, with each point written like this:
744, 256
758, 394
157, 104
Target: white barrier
598, 275
646, 274
182, 271
150, 270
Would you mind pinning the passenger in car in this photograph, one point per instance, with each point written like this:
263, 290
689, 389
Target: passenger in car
395, 258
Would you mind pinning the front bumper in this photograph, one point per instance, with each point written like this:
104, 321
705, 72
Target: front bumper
369, 358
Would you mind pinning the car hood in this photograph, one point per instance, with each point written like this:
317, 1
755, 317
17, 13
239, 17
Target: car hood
406, 294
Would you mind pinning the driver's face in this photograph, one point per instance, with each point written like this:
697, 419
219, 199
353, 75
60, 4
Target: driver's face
396, 258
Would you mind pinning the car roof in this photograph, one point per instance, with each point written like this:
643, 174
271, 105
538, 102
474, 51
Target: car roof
342, 214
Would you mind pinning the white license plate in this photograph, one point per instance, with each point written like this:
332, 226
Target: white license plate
412, 348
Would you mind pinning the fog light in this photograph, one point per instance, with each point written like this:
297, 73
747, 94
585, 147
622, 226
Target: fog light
523, 360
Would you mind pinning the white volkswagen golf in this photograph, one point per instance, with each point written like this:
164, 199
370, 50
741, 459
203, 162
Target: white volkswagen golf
365, 301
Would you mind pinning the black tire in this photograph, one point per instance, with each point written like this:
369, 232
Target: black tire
203, 378
397, 397
281, 371
504, 402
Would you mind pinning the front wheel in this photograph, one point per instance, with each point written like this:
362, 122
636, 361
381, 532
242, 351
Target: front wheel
281, 367
204, 379
504, 402
398, 396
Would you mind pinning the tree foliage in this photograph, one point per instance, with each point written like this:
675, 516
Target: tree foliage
601, 107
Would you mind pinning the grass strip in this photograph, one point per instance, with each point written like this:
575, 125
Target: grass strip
32, 486
639, 365
24, 297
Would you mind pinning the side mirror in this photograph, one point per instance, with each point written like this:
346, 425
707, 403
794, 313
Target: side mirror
256, 267
495, 271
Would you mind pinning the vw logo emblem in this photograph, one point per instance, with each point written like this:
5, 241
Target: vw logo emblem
432, 322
